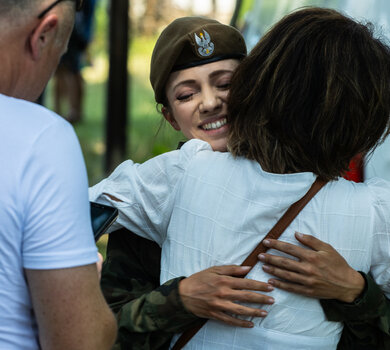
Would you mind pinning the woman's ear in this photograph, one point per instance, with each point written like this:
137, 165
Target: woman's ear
43, 35
169, 118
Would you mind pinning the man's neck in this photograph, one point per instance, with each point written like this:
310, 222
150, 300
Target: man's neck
14, 74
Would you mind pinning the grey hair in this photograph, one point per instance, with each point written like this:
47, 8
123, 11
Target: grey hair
18, 7
7, 6
14, 11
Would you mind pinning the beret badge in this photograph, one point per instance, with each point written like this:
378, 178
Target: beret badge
205, 45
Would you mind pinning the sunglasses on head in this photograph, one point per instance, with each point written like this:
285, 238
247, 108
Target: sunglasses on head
79, 5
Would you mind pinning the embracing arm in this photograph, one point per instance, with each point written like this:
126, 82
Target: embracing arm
130, 284
366, 319
148, 313
346, 295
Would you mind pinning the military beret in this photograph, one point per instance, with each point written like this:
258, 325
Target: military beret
189, 42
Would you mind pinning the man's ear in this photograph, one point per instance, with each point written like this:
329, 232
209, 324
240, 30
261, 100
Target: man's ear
169, 118
43, 35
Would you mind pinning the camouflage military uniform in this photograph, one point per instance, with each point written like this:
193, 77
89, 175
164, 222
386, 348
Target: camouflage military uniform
366, 321
149, 314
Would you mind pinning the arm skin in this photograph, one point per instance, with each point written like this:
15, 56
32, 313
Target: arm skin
346, 295
70, 309
149, 314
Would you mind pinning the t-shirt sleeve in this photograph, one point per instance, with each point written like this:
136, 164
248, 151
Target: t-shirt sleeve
144, 193
380, 263
57, 224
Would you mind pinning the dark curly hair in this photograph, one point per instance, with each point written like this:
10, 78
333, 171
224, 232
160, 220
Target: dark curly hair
313, 93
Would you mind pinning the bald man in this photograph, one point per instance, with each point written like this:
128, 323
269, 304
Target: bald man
50, 296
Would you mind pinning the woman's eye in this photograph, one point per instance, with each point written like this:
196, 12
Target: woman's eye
184, 97
224, 86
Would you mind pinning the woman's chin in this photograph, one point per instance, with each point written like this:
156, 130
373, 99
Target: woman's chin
218, 145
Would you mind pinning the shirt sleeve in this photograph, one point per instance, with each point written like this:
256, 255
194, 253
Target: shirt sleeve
144, 193
380, 255
366, 321
57, 224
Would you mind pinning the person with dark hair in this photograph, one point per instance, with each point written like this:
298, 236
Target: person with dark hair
50, 295
125, 172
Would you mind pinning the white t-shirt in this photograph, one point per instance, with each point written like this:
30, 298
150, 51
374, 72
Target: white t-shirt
206, 208
44, 210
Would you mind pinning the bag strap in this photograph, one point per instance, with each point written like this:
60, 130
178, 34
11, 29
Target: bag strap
252, 259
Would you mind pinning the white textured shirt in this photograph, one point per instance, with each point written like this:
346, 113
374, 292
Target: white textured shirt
206, 208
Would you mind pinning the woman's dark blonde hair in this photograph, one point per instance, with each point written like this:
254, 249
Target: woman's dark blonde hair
312, 94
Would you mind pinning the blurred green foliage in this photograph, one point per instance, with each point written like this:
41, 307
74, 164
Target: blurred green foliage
245, 7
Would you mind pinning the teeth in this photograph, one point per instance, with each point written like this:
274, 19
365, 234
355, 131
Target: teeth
216, 125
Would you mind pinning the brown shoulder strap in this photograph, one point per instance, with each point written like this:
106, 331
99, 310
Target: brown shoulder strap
252, 260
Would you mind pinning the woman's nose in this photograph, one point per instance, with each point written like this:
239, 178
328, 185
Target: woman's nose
210, 101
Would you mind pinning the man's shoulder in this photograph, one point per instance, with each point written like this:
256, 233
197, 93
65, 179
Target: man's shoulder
25, 125
24, 115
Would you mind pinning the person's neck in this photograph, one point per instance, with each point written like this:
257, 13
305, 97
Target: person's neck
7, 78
11, 78
14, 74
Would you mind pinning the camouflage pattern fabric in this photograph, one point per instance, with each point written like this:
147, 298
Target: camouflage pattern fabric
366, 321
149, 314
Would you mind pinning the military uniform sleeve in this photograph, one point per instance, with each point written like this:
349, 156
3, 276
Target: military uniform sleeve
366, 321
148, 314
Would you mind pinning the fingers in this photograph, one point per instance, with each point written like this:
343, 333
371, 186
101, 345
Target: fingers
248, 284
288, 248
286, 275
293, 282
231, 270
282, 262
210, 293
311, 241
301, 253
230, 320
250, 297
294, 250
228, 308
226, 278
242, 310
292, 287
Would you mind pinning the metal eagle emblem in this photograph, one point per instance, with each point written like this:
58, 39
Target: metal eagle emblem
206, 46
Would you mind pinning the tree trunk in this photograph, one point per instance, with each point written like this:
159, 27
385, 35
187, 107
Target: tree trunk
116, 119
233, 21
